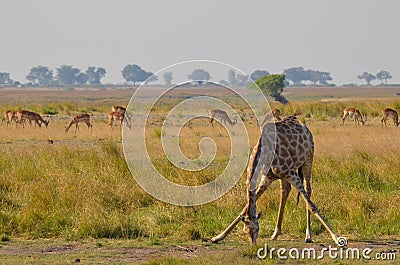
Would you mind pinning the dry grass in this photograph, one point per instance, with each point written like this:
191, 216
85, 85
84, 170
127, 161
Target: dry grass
80, 186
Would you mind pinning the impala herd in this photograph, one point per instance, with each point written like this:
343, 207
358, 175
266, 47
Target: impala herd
119, 116
20, 117
274, 116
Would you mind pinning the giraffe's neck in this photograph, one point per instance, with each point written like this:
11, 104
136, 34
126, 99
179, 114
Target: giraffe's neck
252, 174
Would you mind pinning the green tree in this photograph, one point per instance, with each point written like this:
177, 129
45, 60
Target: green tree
232, 77
383, 76
243, 80
199, 75
368, 77
152, 78
318, 77
258, 74
69, 75
94, 75
81, 79
134, 73
168, 78
296, 75
273, 85
40, 75
5, 79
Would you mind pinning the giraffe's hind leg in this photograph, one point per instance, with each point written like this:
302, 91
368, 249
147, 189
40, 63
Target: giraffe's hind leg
294, 179
306, 170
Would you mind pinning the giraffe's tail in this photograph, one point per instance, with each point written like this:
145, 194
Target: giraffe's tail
301, 176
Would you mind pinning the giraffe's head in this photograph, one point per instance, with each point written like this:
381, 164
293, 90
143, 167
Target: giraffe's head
251, 227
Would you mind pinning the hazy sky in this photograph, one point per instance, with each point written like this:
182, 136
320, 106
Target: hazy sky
343, 37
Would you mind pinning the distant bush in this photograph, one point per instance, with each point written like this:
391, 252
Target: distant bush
49, 111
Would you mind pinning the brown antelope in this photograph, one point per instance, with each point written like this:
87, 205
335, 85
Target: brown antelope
83, 117
116, 116
216, 113
390, 113
118, 109
273, 114
122, 110
9, 116
356, 114
30, 116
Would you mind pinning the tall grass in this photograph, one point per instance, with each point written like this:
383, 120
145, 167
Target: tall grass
86, 190
70, 192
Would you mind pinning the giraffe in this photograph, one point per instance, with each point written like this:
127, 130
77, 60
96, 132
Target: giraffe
288, 145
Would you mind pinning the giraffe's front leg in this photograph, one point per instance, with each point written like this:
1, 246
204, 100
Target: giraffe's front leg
265, 182
285, 190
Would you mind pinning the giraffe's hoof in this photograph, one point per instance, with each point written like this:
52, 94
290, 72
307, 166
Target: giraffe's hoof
308, 240
215, 240
275, 236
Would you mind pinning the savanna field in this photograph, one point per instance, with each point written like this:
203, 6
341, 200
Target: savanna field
76, 199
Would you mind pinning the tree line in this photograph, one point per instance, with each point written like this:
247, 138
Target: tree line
68, 75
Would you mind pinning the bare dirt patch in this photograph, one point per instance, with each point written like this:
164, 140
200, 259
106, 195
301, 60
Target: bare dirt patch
136, 253
48, 251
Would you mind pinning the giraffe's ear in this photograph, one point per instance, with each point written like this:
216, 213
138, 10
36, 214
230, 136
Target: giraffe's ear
259, 215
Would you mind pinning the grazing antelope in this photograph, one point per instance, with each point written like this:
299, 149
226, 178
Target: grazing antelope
122, 110
118, 109
9, 116
356, 114
390, 113
273, 114
283, 147
116, 116
216, 113
30, 116
77, 119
